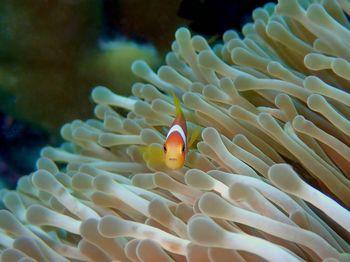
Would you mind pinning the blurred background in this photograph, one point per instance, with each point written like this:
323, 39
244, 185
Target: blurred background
53, 52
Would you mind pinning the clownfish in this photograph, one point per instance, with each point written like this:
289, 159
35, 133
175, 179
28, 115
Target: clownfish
175, 146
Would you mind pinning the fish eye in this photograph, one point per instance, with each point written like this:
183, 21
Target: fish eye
183, 148
164, 147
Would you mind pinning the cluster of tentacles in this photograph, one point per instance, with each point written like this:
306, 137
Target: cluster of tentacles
267, 180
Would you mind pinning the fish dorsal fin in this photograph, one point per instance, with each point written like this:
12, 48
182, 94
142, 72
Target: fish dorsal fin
177, 104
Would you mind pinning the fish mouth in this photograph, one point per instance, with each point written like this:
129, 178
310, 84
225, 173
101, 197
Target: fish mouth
172, 159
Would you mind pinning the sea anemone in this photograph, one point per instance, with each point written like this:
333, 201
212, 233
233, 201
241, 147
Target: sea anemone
267, 179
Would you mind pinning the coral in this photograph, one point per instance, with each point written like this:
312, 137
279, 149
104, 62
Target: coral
50, 49
268, 179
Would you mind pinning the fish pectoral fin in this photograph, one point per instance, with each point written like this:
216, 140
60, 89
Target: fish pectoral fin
152, 154
193, 136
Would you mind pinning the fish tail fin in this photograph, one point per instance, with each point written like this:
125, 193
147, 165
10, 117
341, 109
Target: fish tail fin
177, 104
194, 136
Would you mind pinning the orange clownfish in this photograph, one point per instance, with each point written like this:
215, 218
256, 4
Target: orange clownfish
175, 146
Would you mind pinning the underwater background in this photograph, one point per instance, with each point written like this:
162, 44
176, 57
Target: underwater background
53, 52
